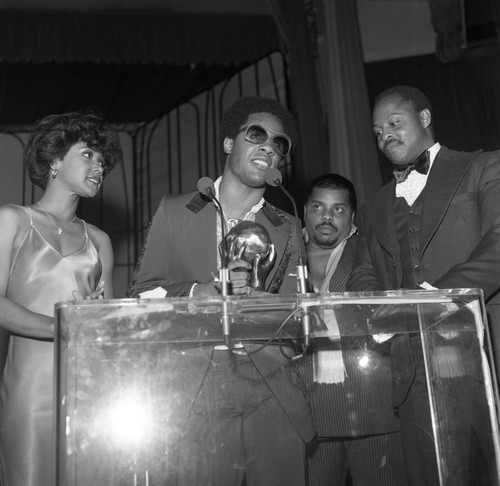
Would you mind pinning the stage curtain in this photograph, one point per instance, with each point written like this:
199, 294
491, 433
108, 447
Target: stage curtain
447, 22
353, 151
135, 38
311, 156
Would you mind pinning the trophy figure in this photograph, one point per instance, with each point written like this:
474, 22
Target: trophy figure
250, 241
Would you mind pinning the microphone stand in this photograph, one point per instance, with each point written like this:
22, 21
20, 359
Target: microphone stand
224, 286
274, 178
206, 187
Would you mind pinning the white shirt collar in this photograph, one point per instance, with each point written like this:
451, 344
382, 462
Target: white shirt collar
414, 184
432, 154
253, 210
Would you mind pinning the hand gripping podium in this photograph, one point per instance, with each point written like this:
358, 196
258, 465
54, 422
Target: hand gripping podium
128, 371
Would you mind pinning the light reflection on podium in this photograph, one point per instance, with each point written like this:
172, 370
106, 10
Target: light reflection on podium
126, 369
128, 423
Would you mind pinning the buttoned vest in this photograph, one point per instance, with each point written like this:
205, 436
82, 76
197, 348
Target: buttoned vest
408, 222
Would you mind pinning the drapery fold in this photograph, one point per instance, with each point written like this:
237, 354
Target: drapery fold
353, 152
135, 38
312, 151
335, 129
448, 23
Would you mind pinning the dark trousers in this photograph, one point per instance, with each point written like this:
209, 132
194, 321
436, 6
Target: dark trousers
238, 429
370, 461
461, 430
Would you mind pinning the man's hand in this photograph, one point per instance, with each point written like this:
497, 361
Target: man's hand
238, 269
206, 289
239, 276
261, 268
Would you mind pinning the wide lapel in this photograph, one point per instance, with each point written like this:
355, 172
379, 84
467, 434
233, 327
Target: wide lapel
274, 221
344, 267
381, 216
447, 172
201, 235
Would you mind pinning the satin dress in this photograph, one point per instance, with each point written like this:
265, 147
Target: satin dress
39, 277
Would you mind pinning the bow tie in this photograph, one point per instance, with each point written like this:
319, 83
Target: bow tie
421, 165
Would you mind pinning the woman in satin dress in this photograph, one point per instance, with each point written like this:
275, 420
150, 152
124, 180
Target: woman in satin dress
48, 255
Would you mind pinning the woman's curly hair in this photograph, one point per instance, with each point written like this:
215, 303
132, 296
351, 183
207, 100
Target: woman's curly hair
54, 135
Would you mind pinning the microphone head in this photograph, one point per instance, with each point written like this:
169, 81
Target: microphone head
206, 187
273, 177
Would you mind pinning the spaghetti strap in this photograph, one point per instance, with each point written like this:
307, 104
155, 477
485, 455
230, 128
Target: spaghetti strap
85, 226
29, 213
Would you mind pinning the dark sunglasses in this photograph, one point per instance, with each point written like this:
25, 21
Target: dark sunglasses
259, 135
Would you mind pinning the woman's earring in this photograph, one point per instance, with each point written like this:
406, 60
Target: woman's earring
53, 172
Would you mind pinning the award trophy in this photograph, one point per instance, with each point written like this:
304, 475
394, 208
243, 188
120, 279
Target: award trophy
250, 241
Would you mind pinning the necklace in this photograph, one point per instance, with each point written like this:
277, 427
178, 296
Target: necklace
59, 229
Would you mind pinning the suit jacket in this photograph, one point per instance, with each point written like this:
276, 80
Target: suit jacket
180, 248
361, 404
338, 281
460, 232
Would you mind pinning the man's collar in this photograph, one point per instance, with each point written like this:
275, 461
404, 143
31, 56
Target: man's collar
421, 165
432, 153
216, 186
255, 209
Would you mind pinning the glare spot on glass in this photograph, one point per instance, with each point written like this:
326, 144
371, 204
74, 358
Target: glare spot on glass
364, 362
128, 420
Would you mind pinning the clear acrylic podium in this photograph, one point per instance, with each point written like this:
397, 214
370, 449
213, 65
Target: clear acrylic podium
122, 380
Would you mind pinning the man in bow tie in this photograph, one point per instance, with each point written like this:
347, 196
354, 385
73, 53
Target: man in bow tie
432, 227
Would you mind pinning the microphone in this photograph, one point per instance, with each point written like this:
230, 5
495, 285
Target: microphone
274, 178
206, 187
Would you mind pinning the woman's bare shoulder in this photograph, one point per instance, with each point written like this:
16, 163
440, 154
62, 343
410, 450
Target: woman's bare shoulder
14, 222
13, 214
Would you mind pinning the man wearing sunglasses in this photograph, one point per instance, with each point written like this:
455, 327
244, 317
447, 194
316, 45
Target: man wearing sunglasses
245, 416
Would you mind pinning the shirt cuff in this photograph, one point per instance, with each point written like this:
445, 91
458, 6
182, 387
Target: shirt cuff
156, 293
191, 291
